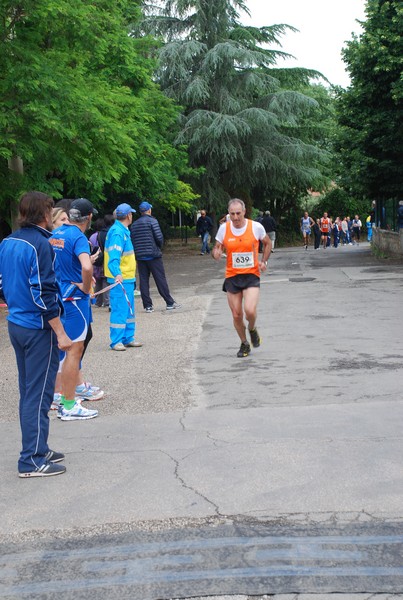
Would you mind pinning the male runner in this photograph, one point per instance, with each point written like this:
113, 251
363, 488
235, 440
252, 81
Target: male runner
325, 227
240, 239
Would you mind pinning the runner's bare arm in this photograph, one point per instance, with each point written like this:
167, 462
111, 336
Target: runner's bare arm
267, 246
86, 273
63, 340
217, 251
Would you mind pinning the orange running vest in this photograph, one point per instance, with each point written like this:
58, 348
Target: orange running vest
242, 251
325, 225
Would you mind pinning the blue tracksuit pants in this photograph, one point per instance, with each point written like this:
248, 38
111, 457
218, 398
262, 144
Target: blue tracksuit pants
37, 361
122, 317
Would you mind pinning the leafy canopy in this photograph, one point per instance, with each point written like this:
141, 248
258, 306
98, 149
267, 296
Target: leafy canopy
370, 141
78, 104
241, 118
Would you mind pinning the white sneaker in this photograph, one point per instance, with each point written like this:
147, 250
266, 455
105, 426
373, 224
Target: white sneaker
86, 391
119, 347
56, 402
173, 306
90, 385
77, 413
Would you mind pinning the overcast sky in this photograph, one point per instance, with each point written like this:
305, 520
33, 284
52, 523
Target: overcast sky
324, 27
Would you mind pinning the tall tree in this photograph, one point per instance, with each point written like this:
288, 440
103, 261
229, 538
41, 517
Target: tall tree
370, 143
239, 122
78, 107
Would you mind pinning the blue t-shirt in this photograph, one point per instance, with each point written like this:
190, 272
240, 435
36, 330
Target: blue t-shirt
69, 242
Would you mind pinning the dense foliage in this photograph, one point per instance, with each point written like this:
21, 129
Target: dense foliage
244, 119
370, 142
78, 106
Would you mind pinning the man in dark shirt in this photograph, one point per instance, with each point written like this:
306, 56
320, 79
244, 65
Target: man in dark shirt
204, 227
270, 226
400, 215
148, 240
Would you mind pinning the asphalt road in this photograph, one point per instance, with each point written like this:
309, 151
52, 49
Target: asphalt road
208, 475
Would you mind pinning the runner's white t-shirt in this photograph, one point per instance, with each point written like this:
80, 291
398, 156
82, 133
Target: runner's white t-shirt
258, 231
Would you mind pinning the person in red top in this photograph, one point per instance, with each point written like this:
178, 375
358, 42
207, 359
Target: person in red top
240, 239
325, 227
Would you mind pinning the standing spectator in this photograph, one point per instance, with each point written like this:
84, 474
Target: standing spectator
148, 241
59, 216
400, 215
344, 231
84, 389
368, 224
28, 283
317, 233
350, 230
356, 229
120, 268
204, 228
270, 226
336, 232
74, 276
97, 240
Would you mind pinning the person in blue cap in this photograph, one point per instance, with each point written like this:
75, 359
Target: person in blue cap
74, 270
148, 240
120, 268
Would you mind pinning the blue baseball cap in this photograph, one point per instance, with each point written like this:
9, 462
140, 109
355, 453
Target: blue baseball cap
124, 209
145, 206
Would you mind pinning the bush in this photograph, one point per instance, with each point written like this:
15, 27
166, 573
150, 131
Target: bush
180, 232
339, 203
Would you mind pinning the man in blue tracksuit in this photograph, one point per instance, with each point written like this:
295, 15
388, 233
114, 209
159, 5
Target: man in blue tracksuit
120, 268
28, 284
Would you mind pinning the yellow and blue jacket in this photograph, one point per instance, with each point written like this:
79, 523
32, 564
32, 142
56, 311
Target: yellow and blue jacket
119, 254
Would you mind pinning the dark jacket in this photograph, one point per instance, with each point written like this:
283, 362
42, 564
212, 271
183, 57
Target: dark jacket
204, 224
269, 223
147, 238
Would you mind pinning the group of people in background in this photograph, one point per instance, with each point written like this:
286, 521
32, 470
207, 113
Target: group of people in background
333, 232
47, 281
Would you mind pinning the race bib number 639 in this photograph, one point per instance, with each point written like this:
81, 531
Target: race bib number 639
242, 260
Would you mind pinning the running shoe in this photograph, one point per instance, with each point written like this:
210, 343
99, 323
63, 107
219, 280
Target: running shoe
46, 470
94, 387
244, 350
56, 402
173, 306
54, 457
86, 391
77, 413
255, 338
133, 344
119, 347
149, 309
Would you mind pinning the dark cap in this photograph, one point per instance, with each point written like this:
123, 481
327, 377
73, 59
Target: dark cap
84, 207
144, 206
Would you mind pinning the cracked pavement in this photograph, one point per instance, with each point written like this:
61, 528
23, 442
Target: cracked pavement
306, 431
